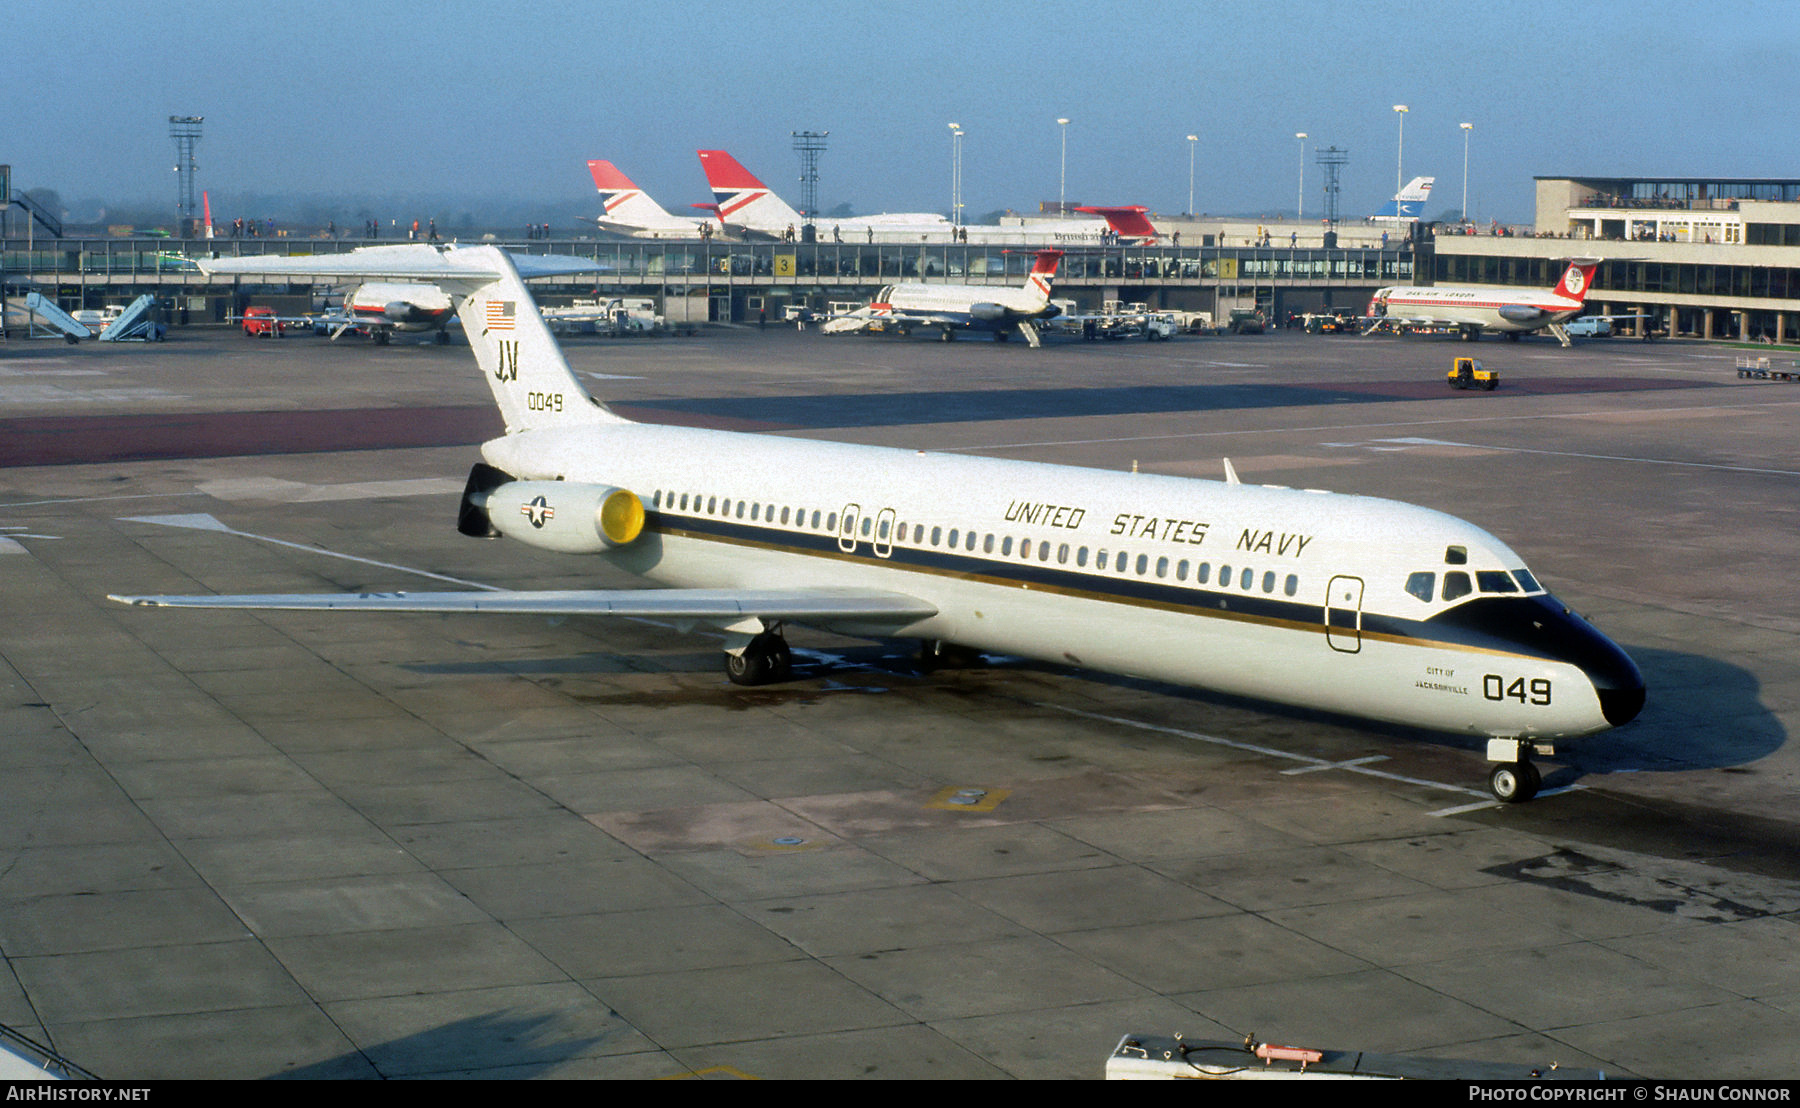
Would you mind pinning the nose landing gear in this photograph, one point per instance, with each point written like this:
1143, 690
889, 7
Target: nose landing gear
1514, 779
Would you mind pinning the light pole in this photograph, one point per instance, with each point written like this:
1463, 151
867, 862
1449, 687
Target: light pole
955, 173
1192, 139
1466, 128
1400, 150
1062, 178
1300, 193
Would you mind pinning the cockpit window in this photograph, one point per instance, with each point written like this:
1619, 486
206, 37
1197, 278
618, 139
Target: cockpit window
1456, 584
1526, 580
1456, 555
1422, 585
1495, 580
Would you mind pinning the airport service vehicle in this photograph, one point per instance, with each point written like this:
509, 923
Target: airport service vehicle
750, 207
262, 322
1246, 321
1467, 373
1347, 604
952, 308
1171, 1057
628, 210
1589, 327
1472, 310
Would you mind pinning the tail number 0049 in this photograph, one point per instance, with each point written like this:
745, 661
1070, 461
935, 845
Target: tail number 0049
544, 401
1535, 691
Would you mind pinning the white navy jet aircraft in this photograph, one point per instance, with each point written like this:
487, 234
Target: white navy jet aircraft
1345, 604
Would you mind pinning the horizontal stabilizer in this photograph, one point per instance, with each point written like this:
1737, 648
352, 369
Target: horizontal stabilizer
703, 604
410, 262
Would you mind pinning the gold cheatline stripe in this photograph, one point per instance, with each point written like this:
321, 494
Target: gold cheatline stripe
1088, 594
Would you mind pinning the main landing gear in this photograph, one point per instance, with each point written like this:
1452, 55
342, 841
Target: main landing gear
1514, 779
764, 659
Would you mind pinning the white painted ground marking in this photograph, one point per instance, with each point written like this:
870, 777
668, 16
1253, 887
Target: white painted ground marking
1590, 457
203, 522
1334, 765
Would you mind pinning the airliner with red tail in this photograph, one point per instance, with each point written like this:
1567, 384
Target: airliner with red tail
1474, 309
628, 210
950, 308
744, 202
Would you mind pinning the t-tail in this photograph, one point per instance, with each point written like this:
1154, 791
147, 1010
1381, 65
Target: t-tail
1043, 271
743, 199
525, 369
1577, 279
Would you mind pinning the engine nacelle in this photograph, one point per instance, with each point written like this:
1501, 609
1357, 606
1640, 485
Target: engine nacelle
987, 312
1521, 313
565, 516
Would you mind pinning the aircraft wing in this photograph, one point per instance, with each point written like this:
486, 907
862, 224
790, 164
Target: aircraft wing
712, 605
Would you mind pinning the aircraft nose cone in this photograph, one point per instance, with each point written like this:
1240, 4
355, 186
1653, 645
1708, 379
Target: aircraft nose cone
1621, 706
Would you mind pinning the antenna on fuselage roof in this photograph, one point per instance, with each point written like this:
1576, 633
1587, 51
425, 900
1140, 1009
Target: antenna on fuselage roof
1231, 477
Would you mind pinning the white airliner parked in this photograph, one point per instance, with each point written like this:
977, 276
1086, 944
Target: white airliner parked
1346, 604
1471, 310
630, 211
745, 202
955, 307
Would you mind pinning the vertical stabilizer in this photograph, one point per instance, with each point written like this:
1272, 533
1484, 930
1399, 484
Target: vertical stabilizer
743, 199
623, 203
1577, 279
523, 365
1043, 271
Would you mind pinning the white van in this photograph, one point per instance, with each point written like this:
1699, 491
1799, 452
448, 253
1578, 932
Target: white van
1590, 327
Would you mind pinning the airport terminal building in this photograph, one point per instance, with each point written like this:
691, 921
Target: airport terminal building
1704, 257
1701, 257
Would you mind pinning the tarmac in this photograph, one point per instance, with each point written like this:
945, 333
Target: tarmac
249, 845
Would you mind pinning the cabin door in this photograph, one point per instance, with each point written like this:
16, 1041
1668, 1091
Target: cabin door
1343, 614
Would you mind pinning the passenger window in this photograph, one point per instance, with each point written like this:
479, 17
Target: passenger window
1081, 557
1245, 578
1122, 562
1102, 559
865, 526
1456, 555
881, 532
754, 510
1043, 551
1495, 580
712, 505
1422, 585
987, 543
1268, 580
1293, 584
1456, 584
937, 533
684, 497
1143, 563
953, 538
1181, 569
1203, 573
1005, 546
969, 542
784, 516
830, 521
816, 519
1024, 548
1162, 566
740, 509
1224, 577
1062, 554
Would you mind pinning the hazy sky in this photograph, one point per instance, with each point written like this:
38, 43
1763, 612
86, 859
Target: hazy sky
491, 99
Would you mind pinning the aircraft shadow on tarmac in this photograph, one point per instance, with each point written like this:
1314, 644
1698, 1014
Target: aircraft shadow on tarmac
986, 405
524, 1045
1701, 712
